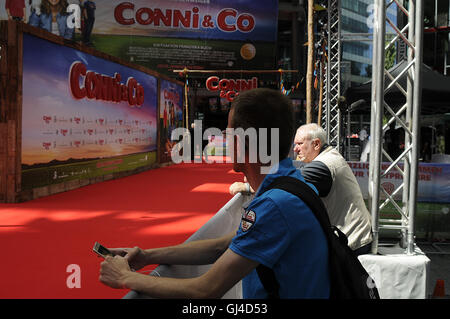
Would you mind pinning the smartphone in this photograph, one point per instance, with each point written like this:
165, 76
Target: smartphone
102, 251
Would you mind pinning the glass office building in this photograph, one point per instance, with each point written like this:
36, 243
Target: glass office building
357, 18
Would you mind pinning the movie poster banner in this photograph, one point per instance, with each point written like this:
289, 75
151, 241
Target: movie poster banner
198, 34
433, 181
83, 116
163, 34
170, 116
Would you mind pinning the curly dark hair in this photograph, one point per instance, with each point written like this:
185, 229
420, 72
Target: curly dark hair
46, 7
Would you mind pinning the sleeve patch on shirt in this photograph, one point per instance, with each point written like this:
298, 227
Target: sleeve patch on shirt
248, 219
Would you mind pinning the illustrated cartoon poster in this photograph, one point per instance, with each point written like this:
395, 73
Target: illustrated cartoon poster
83, 116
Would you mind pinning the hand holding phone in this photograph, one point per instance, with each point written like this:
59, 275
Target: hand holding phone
101, 250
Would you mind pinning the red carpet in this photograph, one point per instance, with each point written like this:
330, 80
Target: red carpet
41, 238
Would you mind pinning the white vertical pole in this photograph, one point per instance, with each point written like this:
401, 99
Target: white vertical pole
377, 115
417, 101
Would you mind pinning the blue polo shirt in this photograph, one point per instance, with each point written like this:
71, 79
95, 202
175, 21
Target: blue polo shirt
279, 231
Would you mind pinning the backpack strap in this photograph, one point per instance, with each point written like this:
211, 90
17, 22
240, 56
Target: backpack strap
268, 280
312, 200
307, 195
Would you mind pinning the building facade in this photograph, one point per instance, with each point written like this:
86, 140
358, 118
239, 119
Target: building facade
357, 21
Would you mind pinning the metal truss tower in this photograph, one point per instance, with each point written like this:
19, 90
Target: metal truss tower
407, 116
331, 117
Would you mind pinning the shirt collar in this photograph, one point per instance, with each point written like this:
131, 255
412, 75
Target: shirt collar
324, 147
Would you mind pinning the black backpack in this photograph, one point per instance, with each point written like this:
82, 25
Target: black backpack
348, 278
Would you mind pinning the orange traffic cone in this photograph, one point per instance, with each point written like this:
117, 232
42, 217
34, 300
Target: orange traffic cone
439, 289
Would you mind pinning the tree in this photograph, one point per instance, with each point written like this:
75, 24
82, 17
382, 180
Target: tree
390, 57
310, 63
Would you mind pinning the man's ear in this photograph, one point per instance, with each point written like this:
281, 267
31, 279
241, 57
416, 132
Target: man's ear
317, 145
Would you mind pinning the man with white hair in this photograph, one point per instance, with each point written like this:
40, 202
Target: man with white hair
329, 172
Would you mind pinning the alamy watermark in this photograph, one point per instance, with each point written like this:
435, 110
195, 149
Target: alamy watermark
74, 279
74, 18
239, 143
370, 21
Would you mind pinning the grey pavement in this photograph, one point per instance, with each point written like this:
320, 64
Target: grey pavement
439, 255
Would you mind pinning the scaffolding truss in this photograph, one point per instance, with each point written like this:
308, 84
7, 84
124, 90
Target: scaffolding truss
410, 39
407, 116
331, 117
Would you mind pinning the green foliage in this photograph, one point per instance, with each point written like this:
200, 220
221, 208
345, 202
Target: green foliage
391, 56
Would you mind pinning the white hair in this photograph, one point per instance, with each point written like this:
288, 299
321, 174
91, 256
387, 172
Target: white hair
314, 131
